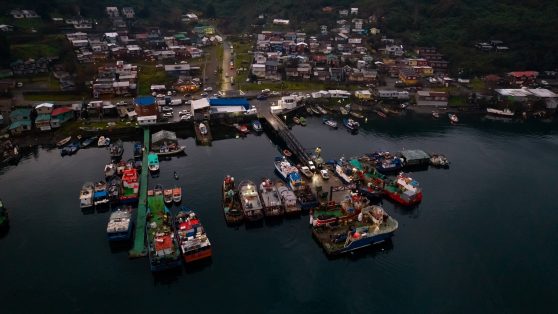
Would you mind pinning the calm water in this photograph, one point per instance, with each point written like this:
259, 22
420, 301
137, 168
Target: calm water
483, 239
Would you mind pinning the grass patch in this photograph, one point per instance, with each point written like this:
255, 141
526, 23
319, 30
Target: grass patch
478, 85
34, 51
150, 75
457, 101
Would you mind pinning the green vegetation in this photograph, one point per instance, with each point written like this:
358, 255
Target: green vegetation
149, 75
55, 96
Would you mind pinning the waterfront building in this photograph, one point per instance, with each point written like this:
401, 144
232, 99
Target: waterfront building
146, 106
60, 115
431, 98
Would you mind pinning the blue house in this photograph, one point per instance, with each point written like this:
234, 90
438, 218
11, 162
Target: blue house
21, 120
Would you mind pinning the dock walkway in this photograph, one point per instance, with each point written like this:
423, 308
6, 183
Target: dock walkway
139, 235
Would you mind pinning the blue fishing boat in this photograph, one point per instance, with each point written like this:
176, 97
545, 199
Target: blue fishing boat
257, 126
119, 227
138, 150
284, 167
100, 195
70, 149
373, 226
88, 141
386, 162
163, 249
351, 124
303, 192
329, 122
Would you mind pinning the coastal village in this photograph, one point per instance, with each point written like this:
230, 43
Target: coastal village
151, 83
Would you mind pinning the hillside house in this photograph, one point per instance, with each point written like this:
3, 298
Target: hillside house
60, 116
431, 98
128, 12
21, 120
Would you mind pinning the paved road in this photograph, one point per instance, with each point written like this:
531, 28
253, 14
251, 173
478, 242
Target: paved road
227, 74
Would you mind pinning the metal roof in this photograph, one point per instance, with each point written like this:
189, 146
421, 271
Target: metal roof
144, 100
230, 102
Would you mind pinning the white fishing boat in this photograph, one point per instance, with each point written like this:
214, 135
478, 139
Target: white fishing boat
86, 195
103, 141
453, 118
504, 113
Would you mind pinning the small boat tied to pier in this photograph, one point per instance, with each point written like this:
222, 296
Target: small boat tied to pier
103, 141
193, 241
116, 149
231, 203
372, 226
177, 194
153, 162
119, 227
86, 195
439, 161
250, 201
288, 198
273, 207
163, 248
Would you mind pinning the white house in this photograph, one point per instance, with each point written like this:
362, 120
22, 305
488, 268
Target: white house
147, 120
337, 93
393, 94
287, 102
280, 22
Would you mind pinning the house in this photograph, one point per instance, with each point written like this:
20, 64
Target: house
42, 122
128, 12
336, 93
354, 11
221, 107
112, 12
336, 74
258, 70
200, 109
344, 12
431, 98
408, 76
6, 28
394, 50
19, 127
60, 115
393, 94
21, 120
304, 70
177, 69
147, 120
526, 94
363, 94
322, 74
44, 108
519, 78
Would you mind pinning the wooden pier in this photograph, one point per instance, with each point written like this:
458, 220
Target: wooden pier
138, 249
283, 132
201, 138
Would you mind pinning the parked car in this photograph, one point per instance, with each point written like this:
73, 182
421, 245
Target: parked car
168, 115
167, 109
185, 117
184, 112
204, 94
324, 173
208, 89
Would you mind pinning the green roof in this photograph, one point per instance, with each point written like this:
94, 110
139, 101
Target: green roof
17, 124
21, 112
42, 117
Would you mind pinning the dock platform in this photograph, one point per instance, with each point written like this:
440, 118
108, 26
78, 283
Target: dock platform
138, 249
202, 139
332, 189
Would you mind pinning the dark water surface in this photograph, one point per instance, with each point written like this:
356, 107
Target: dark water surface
482, 240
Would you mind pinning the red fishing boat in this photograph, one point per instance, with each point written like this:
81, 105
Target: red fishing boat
193, 241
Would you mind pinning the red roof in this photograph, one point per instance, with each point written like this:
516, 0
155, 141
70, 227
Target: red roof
520, 74
60, 110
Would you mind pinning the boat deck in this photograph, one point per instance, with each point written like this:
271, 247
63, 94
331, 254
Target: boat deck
138, 249
326, 187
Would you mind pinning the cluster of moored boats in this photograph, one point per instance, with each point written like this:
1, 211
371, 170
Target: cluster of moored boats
69, 146
349, 123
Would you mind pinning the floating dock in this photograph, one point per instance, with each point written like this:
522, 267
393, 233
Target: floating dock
201, 138
415, 157
139, 235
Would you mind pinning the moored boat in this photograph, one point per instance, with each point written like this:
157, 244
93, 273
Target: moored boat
343, 111
315, 110
506, 112
351, 124
138, 150
439, 160
435, 114
114, 186
192, 238
404, 190
303, 192
306, 172
309, 110
231, 205
329, 122
177, 194
4, 218
110, 170
70, 149
120, 167
116, 149
288, 198
302, 121
284, 167
203, 129
257, 126
119, 227
170, 150
373, 226
453, 118
86, 195
250, 201
296, 120
103, 141
287, 153
100, 194
88, 141
130, 186
381, 114
273, 207
167, 194
163, 249
387, 162
153, 162
321, 109
242, 128
356, 115
63, 141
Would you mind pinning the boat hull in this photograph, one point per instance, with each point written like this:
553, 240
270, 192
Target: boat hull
192, 257
174, 152
120, 236
363, 243
396, 197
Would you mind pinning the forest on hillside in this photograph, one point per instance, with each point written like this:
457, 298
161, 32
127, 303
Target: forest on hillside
454, 26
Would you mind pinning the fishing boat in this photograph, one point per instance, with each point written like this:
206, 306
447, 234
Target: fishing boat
351, 124
309, 110
100, 194
504, 113
120, 167
333, 212
435, 114
306, 172
158, 190
404, 190
110, 170
453, 118
273, 207
130, 163
231, 205
287, 153
284, 167
202, 128
177, 194
114, 186
86, 195
371, 191
356, 115
116, 149
373, 226
167, 194
192, 239
344, 170
439, 161
250, 201
130, 186
242, 128
387, 162
153, 162
163, 248
69, 149
4, 218
63, 141
288, 198
315, 111
303, 192
329, 122
257, 126
138, 150
119, 226
381, 114
169, 150
321, 110
103, 141
296, 120
88, 141
302, 121
343, 111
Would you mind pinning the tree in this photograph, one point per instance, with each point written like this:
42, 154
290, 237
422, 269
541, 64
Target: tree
5, 54
209, 11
